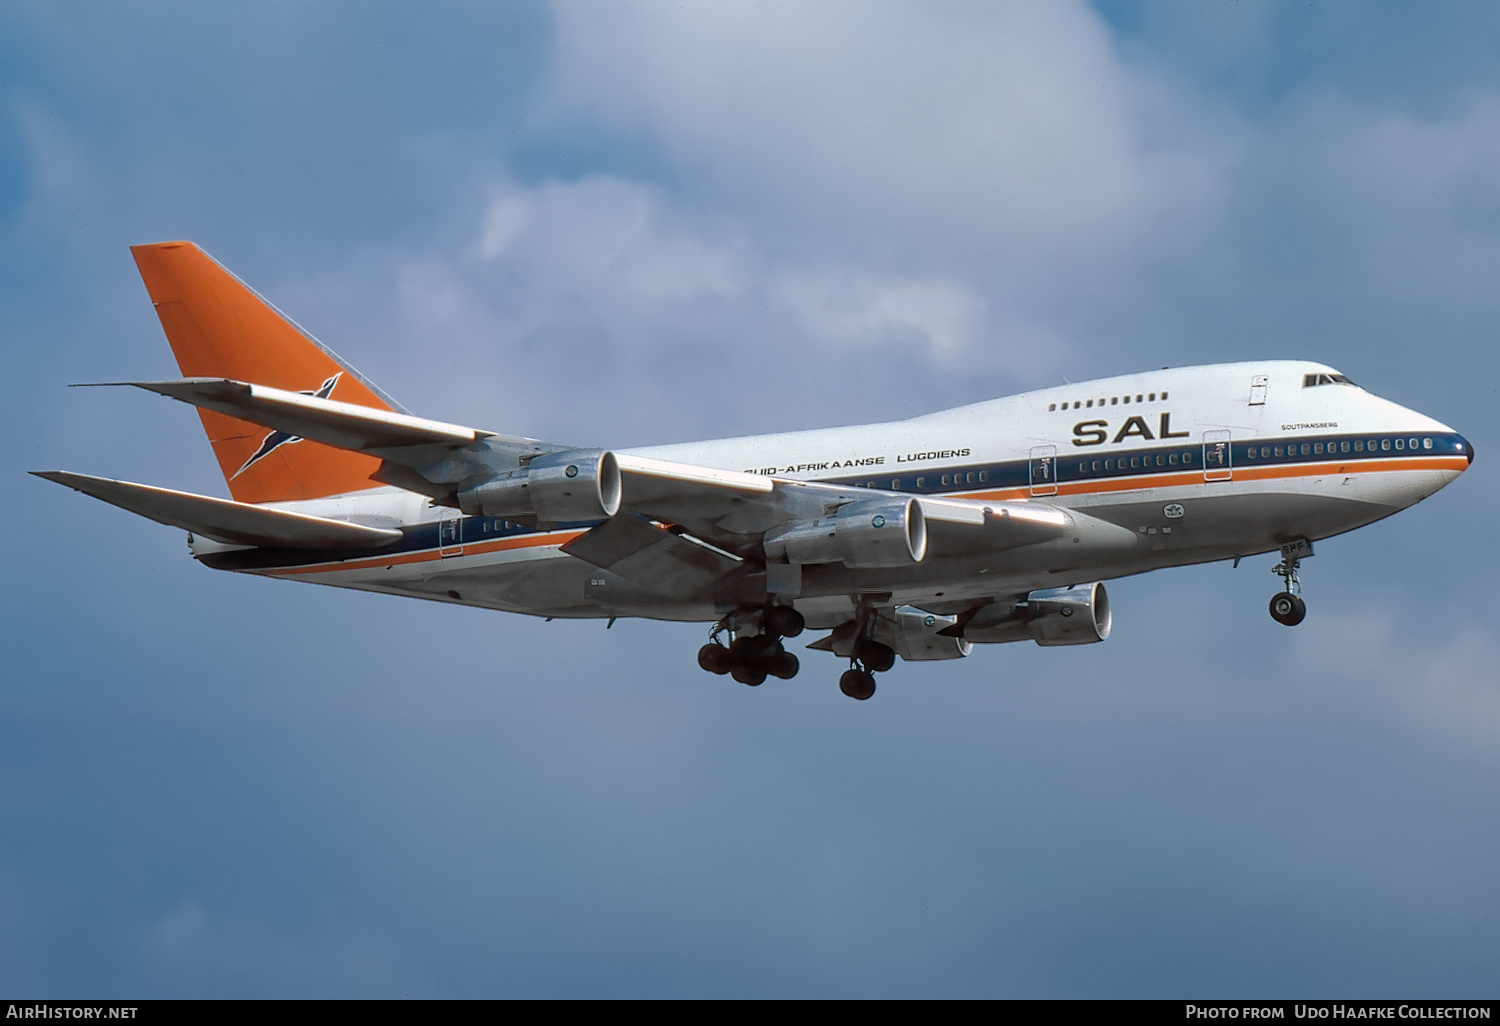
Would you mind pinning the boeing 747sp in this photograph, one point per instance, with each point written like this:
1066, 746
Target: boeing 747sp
916, 539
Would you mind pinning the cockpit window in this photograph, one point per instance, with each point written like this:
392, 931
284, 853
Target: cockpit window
1325, 379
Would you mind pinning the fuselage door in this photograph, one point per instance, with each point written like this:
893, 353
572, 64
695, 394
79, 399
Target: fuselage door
451, 536
1218, 456
1258, 390
1044, 470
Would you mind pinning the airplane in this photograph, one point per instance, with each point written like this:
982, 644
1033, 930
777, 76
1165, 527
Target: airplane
919, 539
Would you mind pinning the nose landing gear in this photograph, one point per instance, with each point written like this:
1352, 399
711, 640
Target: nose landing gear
1287, 607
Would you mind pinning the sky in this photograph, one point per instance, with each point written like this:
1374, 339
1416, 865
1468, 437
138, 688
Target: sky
628, 223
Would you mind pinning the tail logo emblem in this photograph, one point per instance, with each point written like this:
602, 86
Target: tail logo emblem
276, 439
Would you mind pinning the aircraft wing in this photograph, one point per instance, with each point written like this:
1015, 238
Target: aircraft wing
734, 510
234, 523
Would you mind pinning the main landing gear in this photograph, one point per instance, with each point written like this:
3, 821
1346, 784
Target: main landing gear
1287, 607
751, 658
870, 657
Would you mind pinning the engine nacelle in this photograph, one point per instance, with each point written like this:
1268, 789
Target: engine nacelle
868, 534
1076, 615
917, 638
559, 487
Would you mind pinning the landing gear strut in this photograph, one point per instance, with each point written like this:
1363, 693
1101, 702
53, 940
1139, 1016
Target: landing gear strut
751, 658
1287, 606
868, 658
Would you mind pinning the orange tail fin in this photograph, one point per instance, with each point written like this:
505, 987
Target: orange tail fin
219, 327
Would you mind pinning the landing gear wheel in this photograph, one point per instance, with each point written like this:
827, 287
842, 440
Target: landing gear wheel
857, 684
877, 657
1288, 609
714, 658
783, 665
752, 675
785, 621
747, 648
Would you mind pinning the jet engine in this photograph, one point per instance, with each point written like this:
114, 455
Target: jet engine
556, 488
867, 534
1076, 615
917, 638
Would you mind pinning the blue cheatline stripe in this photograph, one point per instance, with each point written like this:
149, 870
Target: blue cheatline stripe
1071, 465
1077, 463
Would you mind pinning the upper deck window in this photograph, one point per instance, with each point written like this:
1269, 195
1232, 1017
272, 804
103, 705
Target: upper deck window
1310, 380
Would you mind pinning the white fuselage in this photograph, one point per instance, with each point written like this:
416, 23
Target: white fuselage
1189, 465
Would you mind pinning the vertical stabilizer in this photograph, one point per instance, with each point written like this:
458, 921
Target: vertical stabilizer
219, 327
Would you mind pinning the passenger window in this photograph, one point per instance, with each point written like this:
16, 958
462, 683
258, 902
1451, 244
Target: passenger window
983, 476
1427, 443
1278, 450
1305, 449
1161, 461
1135, 462
1172, 459
921, 482
1400, 443
1127, 400
1051, 407
1153, 397
1164, 397
1187, 457
1251, 452
1114, 400
1411, 443
1317, 448
1089, 404
1385, 444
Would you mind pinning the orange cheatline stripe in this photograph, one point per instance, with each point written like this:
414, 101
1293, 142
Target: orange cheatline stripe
1241, 473
469, 549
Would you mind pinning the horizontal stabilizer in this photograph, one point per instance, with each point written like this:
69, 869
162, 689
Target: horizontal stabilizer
234, 523
342, 425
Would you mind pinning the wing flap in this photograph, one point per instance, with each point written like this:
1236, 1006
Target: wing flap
234, 523
653, 557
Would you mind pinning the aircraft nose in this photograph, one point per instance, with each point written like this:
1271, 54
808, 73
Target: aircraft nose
1468, 450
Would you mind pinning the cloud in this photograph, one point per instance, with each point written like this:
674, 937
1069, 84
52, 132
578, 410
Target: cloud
710, 220
1442, 682
1009, 130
